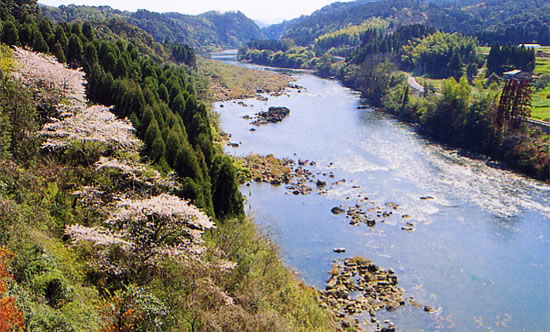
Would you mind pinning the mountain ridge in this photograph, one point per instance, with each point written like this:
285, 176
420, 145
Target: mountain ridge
489, 20
207, 31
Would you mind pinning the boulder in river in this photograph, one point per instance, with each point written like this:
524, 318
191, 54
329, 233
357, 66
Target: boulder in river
337, 210
273, 115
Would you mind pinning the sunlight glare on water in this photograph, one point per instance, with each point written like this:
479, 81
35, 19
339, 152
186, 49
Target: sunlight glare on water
480, 250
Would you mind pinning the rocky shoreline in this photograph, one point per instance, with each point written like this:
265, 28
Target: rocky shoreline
358, 285
300, 178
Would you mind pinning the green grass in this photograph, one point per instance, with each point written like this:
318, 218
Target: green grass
542, 66
6, 59
541, 104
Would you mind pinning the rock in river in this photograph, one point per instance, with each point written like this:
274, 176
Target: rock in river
337, 210
273, 115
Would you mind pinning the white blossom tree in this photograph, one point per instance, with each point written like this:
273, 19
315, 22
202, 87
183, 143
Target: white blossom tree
94, 124
138, 175
50, 79
148, 229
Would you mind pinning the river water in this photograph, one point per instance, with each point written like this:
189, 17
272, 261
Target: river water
480, 249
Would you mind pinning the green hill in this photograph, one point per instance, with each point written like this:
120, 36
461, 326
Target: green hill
210, 30
491, 21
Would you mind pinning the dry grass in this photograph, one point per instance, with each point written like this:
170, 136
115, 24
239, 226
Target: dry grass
261, 167
234, 82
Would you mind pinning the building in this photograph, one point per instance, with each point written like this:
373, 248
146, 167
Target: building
533, 46
517, 75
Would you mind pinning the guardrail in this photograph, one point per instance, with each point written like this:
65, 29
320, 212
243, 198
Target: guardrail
543, 125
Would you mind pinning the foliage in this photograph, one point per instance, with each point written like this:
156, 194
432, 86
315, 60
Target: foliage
294, 57
134, 308
270, 44
11, 319
182, 54
373, 77
501, 59
18, 121
350, 36
442, 55
392, 43
531, 153
95, 124
340, 15
139, 84
6, 60
262, 283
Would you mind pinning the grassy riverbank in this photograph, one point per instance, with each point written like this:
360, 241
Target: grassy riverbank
233, 82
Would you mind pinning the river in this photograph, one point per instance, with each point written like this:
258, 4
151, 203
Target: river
480, 249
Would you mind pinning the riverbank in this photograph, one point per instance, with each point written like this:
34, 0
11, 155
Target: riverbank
472, 127
471, 222
229, 82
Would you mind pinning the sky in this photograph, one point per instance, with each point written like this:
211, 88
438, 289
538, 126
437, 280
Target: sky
273, 11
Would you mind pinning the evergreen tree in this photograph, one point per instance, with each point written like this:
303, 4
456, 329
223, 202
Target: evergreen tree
59, 53
26, 34
88, 31
40, 44
158, 148
151, 133
90, 54
187, 164
75, 50
455, 66
10, 35
226, 197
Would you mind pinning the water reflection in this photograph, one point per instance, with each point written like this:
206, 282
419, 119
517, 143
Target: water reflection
479, 251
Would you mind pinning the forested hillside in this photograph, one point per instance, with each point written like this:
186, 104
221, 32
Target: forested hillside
127, 217
513, 21
211, 30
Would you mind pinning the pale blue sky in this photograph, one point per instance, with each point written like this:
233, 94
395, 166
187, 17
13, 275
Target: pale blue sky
272, 11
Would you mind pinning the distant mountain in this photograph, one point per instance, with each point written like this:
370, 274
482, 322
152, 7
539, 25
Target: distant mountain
275, 31
261, 24
490, 20
211, 30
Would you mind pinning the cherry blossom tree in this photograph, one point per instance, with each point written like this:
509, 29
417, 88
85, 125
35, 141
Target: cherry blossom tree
149, 229
94, 124
51, 80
